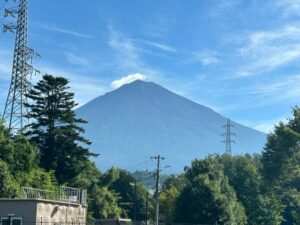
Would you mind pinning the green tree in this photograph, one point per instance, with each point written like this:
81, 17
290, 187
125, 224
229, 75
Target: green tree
167, 200
55, 130
208, 198
132, 193
89, 176
19, 165
18, 153
243, 175
8, 186
172, 187
38, 178
281, 166
103, 203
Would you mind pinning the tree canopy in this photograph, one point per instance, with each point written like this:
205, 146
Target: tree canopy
281, 166
208, 198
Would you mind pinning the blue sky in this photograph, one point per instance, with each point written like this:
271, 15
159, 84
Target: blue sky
241, 58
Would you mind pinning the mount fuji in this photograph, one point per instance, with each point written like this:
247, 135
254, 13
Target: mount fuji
143, 119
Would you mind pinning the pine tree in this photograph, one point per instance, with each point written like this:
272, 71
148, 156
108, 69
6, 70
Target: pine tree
55, 130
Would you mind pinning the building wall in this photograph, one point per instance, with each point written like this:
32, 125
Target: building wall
43, 212
24, 209
57, 213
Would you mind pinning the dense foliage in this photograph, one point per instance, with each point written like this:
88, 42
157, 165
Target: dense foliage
19, 166
208, 197
281, 166
254, 190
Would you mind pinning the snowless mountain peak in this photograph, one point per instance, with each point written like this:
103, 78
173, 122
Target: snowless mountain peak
142, 119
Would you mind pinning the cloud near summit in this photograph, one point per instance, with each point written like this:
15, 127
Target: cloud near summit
127, 79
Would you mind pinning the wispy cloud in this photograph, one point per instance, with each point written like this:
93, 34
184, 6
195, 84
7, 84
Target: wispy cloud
286, 88
5, 76
85, 87
57, 29
126, 52
269, 50
266, 126
6, 58
127, 79
158, 25
290, 7
129, 56
77, 60
161, 46
204, 57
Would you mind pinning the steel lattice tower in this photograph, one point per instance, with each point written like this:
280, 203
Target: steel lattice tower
15, 110
228, 137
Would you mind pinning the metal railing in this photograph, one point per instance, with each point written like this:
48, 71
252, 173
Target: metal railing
64, 194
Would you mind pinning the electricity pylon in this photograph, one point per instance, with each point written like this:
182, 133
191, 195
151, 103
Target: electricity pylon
228, 137
15, 110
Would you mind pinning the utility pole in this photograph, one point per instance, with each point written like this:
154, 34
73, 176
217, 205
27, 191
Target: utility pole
228, 134
158, 158
15, 110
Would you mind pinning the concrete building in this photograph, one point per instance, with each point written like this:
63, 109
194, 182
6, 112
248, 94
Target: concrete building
40, 207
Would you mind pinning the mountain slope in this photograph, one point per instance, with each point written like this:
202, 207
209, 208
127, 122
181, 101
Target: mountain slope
143, 119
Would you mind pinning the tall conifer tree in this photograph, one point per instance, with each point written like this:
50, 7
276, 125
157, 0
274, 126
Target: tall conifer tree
55, 130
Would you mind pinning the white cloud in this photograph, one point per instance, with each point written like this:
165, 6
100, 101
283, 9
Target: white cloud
161, 46
265, 126
204, 57
54, 28
76, 60
128, 56
127, 79
290, 7
268, 50
6, 59
279, 90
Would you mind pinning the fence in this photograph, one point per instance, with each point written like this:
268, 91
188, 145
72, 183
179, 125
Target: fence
64, 194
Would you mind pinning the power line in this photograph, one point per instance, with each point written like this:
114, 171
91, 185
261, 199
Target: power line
228, 137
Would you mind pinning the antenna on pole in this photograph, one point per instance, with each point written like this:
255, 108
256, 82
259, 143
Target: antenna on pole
15, 109
228, 137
